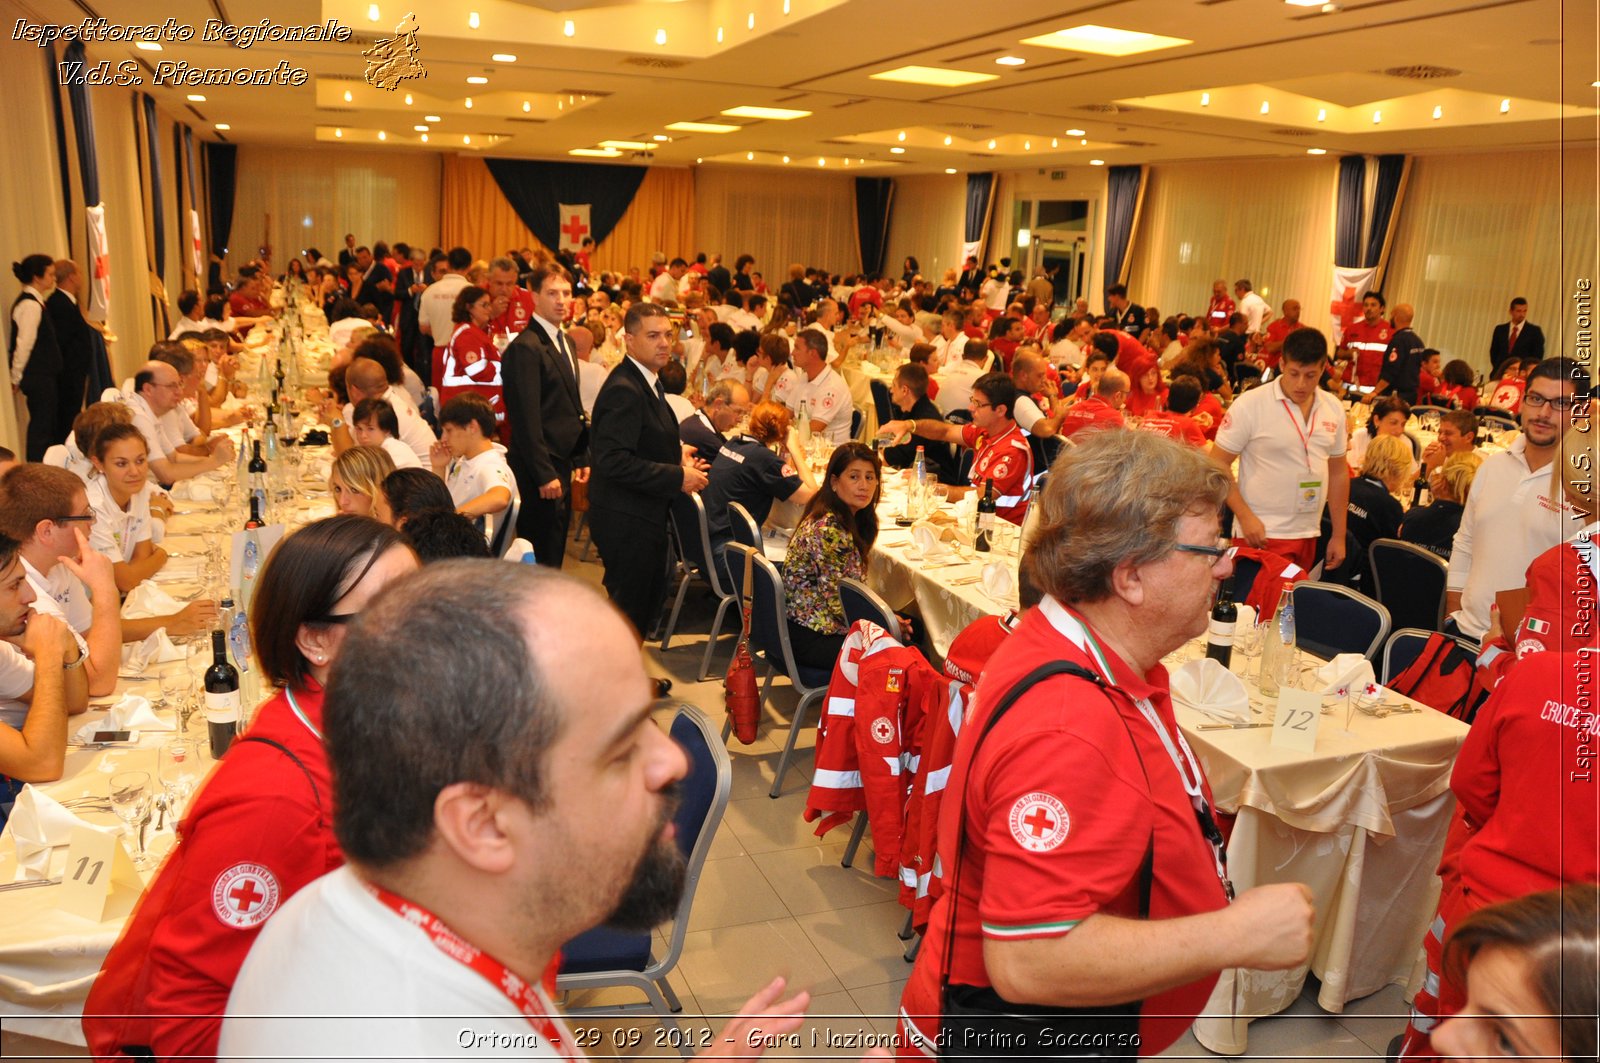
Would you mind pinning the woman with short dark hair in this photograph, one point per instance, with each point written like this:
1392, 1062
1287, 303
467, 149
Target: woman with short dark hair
261, 827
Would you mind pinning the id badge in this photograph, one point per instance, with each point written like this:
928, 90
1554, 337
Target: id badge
1310, 498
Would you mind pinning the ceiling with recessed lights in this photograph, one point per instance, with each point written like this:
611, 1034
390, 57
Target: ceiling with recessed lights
887, 86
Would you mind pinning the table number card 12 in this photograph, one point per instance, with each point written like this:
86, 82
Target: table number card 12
1295, 724
97, 865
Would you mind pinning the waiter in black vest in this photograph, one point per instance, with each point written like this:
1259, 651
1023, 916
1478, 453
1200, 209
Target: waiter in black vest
34, 355
549, 432
73, 337
639, 468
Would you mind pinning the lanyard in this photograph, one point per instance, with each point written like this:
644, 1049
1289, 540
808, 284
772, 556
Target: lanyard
1305, 444
1188, 770
527, 997
294, 707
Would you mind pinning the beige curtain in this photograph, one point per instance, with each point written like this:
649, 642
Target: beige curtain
1477, 230
780, 217
926, 224
1271, 222
115, 141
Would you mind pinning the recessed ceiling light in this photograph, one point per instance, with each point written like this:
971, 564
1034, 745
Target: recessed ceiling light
224, 126
503, 57
372, 12
596, 153
195, 97
468, 102
785, 7
1377, 116
1097, 162
749, 156
902, 136
661, 36
702, 127
338, 133
991, 145
719, 34
477, 79
420, 128
698, 160
424, 138
949, 169
1027, 145
1304, 3
1438, 112
472, 20
466, 140
786, 160
1105, 40
526, 106
1010, 60
897, 151
947, 141
569, 28
1084, 142
781, 114
1054, 143
1075, 133
750, 23
431, 118
820, 162
1316, 151
933, 75
660, 138
148, 46
1205, 99
1266, 107
347, 96
1505, 106
626, 145
382, 135
408, 99
1322, 114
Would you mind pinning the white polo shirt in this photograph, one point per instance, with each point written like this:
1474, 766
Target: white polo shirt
117, 531
400, 454
1254, 308
827, 399
63, 596
949, 351
414, 431
149, 426
467, 478
16, 679
1510, 519
437, 300
1283, 457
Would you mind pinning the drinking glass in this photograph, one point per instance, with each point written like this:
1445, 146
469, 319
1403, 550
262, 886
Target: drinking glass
1248, 638
178, 768
176, 684
130, 800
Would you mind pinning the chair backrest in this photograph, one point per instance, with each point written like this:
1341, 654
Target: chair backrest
769, 614
1401, 649
1491, 417
746, 532
857, 419
962, 416
703, 801
1410, 582
881, 401
1329, 619
505, 526
862, 603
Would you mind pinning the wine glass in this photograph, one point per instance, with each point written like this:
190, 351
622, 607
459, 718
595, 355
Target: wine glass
176, 684
130, 800
178, 767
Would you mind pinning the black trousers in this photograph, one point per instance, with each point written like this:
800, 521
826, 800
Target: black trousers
634, 552
70, 402
44, 407
544, 522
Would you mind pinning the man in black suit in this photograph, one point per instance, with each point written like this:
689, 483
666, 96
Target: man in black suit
639, 468
549, 432
706, 430
412, 282
72, 336
971, 278
718, 276
347, 253
377, 284
1516, 337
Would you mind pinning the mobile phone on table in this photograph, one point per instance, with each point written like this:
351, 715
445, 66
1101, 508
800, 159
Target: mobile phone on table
116, 736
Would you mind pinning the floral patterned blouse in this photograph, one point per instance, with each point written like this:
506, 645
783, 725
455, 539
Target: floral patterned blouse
820, 555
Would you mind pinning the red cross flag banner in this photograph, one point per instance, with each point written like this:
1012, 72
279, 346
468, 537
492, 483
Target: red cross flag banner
1349, 284
574, 225
99, 266
195, 250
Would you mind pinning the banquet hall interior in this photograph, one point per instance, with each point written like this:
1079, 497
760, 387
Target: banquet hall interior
1445, 152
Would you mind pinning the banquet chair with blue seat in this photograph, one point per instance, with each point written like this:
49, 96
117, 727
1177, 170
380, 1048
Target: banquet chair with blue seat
862, 603
746, 532
1409, 581
689, 524
769, 644
606, 957
882, 403
1329, 620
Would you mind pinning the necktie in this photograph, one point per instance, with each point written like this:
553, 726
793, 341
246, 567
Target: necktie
566, 352
662, 392
1511, 340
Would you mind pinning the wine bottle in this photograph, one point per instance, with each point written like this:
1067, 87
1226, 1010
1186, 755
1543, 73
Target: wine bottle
1219, 636
984, 539
1419, 488
255, 520
222, 696
257, 471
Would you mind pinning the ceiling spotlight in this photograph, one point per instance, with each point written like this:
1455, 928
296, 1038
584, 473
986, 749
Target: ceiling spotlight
1377, 116
660, 138
1322, 114
949, 169
1505, 106
561, 104
661, 36
1594, 85
569, 28
408, 99
1010, 60
820, 162
1266, 108
785, 7
503, 57
431, 118
468, 102
424, 138
897, 151
1084, 142
382, 135
991, 145
1075, 133
339, 133
1316, 151
526, 106
719, 34
347, 96
195, 97
947, 142
749, 156
224, 126
1054, 143
466, 140
846, 162
698, 160
1205, 99
1097, 162
750, 23
786, 160
1027, 145
902, 135
420, 128
372, 12
472, 20
1438, 113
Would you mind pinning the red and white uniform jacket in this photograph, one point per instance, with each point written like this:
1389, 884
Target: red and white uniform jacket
1560, 615
1219, 311
1367, 344
472, 363
1008, 461
1277, 572
518, 312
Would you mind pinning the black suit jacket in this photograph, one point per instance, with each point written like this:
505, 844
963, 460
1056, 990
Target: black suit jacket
72, 331
638, 461
704, 438
1530, 343
549, 436
371, 293
719, 278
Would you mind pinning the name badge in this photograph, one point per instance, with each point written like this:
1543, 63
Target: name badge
1309, 498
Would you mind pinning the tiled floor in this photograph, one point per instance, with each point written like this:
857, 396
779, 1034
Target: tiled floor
774, 900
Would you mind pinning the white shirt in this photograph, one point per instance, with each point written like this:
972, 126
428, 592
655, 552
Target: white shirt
340, 331
1026, 412
664, 289
189, 324
16, 679
63, 596
1255, 311
590, 376
438, 299
827, 399
995, 293
149, 426
177, 427
682, 408
1283, 457
467, 478
26, 316
117, 531
1510, 519
414, 431
955, 385
66, 455
336, 974
1066, 351
740, 319
402, 456
948, 352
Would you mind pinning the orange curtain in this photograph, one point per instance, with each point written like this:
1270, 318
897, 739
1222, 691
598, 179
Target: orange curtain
474, 214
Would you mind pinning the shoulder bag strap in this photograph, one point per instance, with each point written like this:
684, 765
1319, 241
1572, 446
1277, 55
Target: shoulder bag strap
316, 791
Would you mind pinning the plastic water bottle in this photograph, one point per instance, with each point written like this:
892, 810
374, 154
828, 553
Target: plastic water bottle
528, 558
803, 425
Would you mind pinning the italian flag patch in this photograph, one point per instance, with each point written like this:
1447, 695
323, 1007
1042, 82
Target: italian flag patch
1537, 626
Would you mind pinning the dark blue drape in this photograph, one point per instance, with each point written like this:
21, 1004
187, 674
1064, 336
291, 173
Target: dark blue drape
874, 201
1347, 228
53, 73
158, 191
221, 160
1122, 203
83, 130
1385, 194
536, 189
980, 187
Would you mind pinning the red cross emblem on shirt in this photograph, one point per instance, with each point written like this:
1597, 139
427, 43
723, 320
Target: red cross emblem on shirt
244, 896
575, 229
1039, 821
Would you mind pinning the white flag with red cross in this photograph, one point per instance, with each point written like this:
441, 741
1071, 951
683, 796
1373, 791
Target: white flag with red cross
573, 224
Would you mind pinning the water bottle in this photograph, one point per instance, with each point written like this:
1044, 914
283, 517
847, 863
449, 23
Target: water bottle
1277, 654
528, 558
803, 425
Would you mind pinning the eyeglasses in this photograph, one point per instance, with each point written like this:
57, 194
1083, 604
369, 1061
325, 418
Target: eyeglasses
976, 405
1563, 403
334, 618
81, 518
1224, 550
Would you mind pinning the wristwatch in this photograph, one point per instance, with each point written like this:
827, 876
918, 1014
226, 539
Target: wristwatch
83, 657
337, 422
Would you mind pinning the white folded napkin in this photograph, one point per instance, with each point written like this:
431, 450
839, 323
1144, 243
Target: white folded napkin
137, 657
1245, 618
195, 490
1207, 687
147, 600
517, 550
320, 469
38, 823
129, 713
1344, 672
925, 542
999, 582
179, 570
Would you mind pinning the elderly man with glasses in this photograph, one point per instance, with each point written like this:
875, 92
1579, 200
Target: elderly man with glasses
157, 390
727, 406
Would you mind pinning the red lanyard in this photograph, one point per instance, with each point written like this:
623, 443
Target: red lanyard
526, 996
1305, 444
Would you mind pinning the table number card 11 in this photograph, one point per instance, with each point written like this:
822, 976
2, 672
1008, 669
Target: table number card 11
97, 866
1295, 724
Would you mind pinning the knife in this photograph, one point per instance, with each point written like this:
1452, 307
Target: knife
1229, 726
